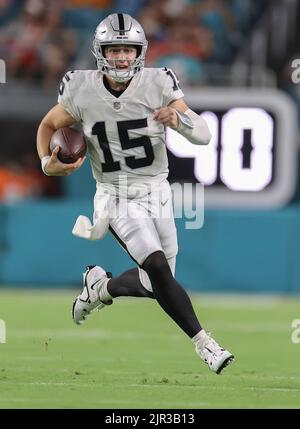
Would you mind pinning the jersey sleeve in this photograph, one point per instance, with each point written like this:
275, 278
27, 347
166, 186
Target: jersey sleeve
66, 95
171, 90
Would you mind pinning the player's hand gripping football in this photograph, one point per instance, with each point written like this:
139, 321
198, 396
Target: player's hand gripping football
166, 116
55, 167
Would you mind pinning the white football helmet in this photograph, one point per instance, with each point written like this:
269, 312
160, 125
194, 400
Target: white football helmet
119, 29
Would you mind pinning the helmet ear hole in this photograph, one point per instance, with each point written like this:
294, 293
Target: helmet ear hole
102, 50
138, 50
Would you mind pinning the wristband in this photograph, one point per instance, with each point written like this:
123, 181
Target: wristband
44, 162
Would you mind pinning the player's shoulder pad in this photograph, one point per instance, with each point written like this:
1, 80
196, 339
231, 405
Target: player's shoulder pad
74, 79
162, 76
171, 77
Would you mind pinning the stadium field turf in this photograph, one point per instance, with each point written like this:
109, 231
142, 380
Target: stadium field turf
131, 355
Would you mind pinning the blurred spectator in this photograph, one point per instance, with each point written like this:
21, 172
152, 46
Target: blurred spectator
169, 10
59, 49
183, 44
19, 41
217, 16
8, 9
184, 50
86, 15
151, 21
104, 4
132, 7
23, 179
35, 45
16, 184
243, 12
184, 38
188, 69
50, 37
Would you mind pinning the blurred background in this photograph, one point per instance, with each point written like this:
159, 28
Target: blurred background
236, 62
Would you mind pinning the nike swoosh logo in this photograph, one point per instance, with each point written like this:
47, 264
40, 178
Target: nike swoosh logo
92, 287
164, 203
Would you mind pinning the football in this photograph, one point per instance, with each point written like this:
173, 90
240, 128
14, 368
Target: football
71, 142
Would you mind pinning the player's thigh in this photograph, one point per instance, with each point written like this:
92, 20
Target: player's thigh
135, 230
164, 222
163, 218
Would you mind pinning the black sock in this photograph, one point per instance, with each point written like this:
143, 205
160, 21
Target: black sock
170, 295
128, 284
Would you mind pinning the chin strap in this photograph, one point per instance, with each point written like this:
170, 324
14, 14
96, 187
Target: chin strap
193, 127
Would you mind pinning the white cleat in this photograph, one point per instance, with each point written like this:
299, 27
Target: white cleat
213, 355
94, 279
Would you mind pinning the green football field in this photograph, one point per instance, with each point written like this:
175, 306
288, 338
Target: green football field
130, 355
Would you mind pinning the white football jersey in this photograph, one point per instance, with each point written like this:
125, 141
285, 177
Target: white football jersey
124, 141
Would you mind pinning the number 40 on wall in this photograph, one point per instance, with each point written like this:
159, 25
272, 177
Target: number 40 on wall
223, 156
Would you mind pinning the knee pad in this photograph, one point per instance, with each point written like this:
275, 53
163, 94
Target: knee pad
157, 265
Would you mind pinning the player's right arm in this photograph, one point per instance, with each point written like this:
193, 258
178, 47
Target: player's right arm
56, 118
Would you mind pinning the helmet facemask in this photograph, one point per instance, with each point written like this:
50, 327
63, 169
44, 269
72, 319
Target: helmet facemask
109, 65
119, 30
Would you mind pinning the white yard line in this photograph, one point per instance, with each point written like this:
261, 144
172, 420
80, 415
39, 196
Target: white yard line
247, 327
149, 386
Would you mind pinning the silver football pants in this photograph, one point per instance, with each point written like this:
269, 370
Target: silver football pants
142, 221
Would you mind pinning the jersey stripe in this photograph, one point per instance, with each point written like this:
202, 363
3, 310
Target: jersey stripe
174, 78
122, 244
121, 24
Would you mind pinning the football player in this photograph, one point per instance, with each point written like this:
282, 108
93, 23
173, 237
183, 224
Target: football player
124, 109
